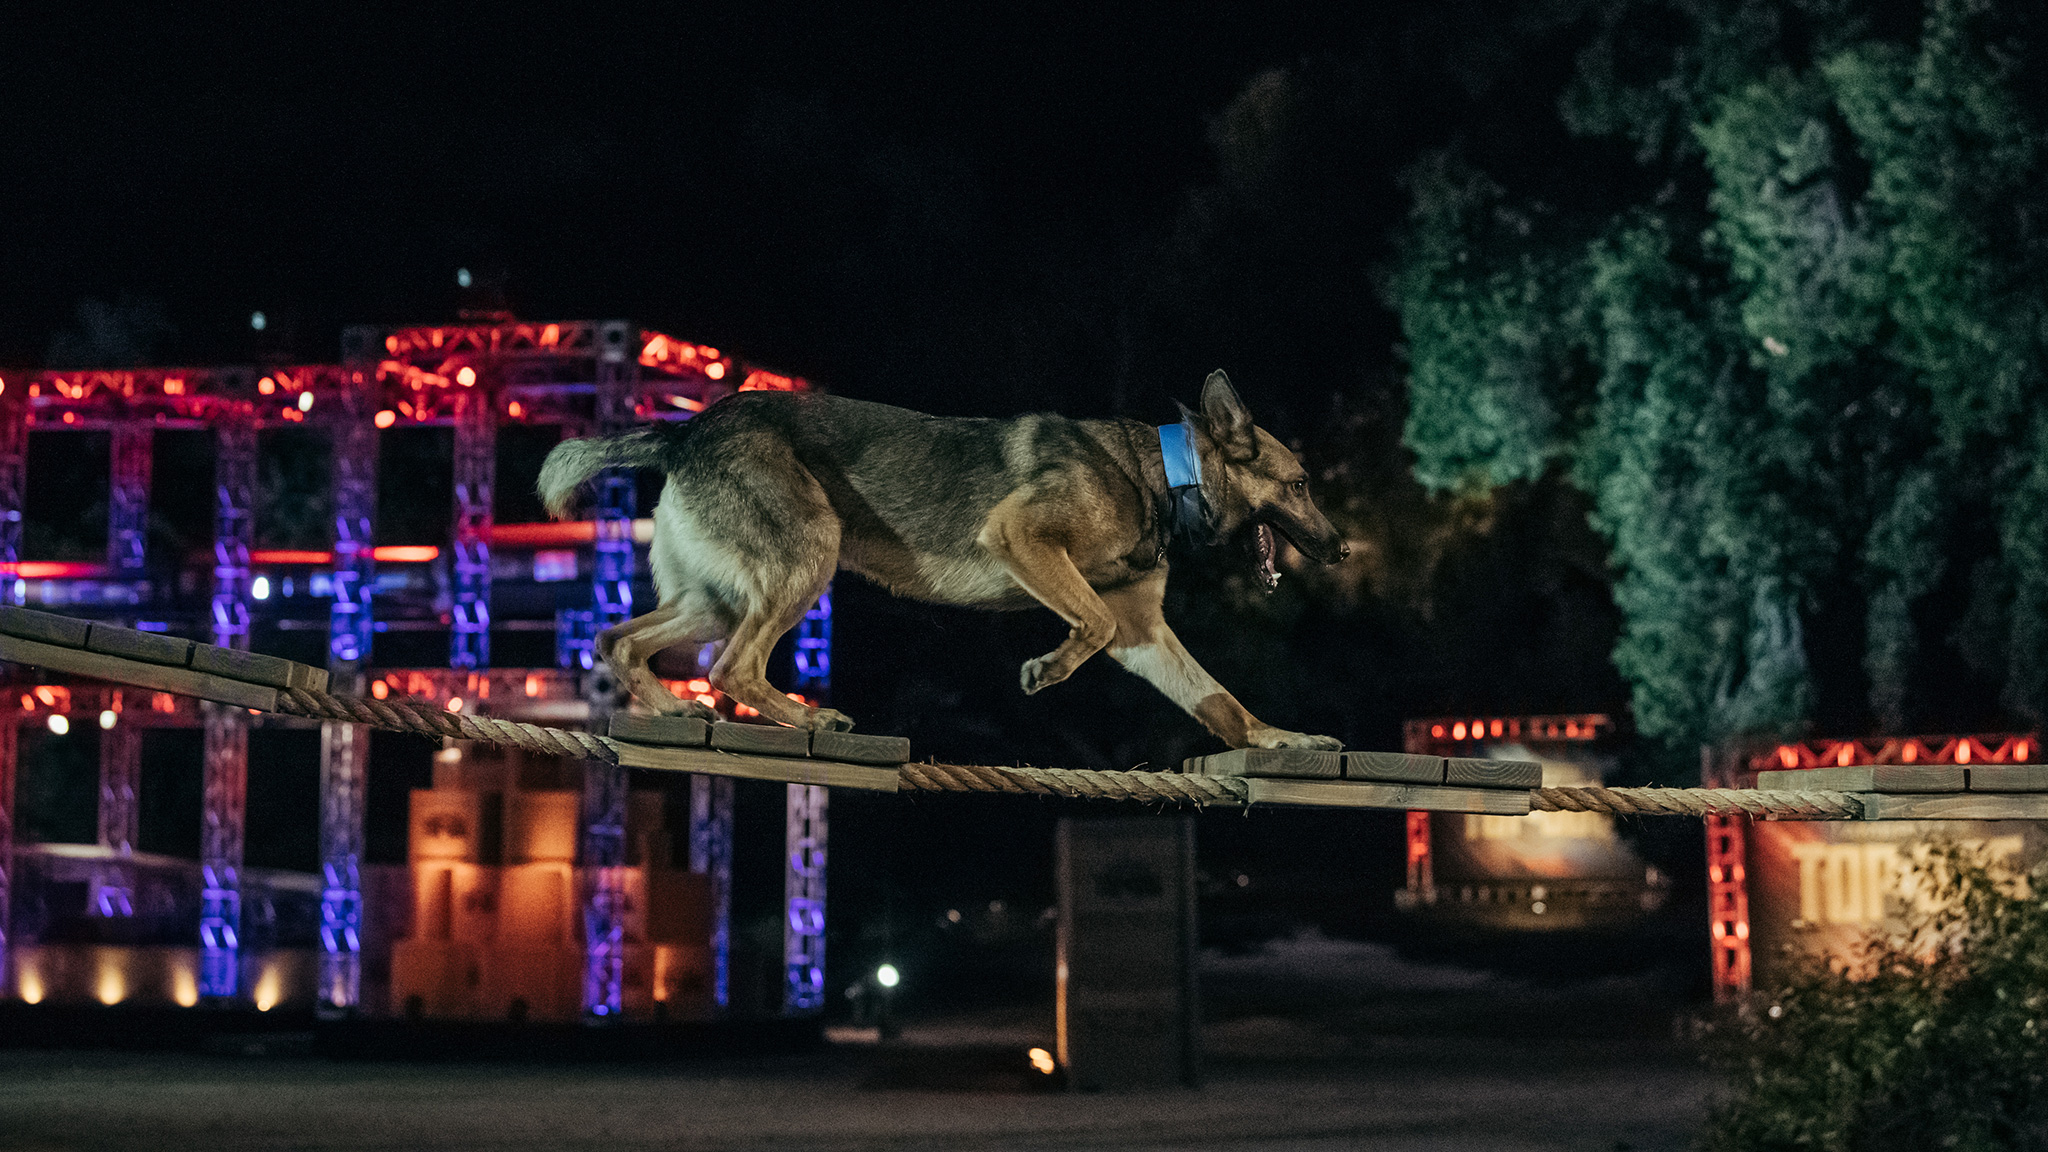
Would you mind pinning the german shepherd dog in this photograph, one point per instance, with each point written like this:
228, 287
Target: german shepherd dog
769, 492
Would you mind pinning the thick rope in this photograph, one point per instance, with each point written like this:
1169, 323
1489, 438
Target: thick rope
1175, 788
1165, 787
422, 718
1700, 802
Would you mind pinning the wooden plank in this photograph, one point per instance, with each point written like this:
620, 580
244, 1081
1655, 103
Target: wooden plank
46, 627
1291, 763
1493, 773
1867, 778
1426, 797
761, 739
148, 647
159, 677
668, 731
1397, 766
1958, 806
860, 749
2009, 778
830, 773
308, 677
235, 664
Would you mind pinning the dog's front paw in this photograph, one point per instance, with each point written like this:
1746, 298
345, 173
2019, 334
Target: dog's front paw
1281, 738
827, 720
1042, 672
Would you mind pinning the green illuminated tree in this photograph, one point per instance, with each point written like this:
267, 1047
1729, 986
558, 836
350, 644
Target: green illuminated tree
1799, 374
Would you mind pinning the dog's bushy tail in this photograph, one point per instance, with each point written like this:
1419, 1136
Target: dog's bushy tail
573, 462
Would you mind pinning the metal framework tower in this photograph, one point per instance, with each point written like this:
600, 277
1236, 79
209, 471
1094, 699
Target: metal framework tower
1728, 905
476, 466
711, 856
803, 934
10, 734
227, 729
345, 748
120, 814
128, 499
13, 476
604, 785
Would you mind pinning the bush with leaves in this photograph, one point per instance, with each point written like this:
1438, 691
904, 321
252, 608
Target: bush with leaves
1931, 1036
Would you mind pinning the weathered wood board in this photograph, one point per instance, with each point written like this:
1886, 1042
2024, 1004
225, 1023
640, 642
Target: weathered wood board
1394, 766
761, 739
1493, 773
148, 647
668, 731
859, 748
160, 677
1350, 794
1292, 763
1867, 778
44, 627
2009, 778
829, 773
257, 668
1956, 806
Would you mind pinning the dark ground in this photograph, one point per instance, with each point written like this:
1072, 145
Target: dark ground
1311, 1044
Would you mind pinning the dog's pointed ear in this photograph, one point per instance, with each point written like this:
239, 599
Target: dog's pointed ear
1228, 421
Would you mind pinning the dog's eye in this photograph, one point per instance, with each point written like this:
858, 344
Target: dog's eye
1300, 487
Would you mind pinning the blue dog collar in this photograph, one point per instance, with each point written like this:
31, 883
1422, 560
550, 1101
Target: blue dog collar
1177, 448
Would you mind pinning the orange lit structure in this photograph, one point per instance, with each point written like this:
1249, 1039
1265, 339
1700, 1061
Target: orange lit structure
1779, 888
381, 615
1545, 872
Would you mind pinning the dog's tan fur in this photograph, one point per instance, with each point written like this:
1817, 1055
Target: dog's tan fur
769, 493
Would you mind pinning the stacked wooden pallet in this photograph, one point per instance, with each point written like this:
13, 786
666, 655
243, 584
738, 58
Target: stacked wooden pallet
1928, 791
1377, 780
759, 751
150, 659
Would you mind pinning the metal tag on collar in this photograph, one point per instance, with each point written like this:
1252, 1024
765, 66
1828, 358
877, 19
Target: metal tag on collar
1177, 449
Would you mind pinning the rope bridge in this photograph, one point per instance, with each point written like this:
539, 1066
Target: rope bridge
268, 684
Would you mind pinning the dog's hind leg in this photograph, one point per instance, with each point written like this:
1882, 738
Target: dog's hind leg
627, 648
742, 669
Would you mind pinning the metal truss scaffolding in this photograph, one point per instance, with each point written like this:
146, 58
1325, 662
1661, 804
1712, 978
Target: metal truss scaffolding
476, 455
604, 785
13, 485
711, 856
804, 891
220, 849
1728, 904
128, 499
345, 748
120, 814
10, 735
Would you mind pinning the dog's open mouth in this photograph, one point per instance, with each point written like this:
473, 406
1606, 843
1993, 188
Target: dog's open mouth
1267, 551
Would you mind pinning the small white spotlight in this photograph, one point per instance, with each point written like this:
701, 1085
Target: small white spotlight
887, 975
462, 278
59, 724
305, 401
258, 321
109, 718
260, 588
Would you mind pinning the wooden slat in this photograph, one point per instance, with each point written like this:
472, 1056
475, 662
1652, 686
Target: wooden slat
1493, 773
2009, 778
44, 627
761, 739
1394, 766
148, 647
159, 677
668, 731
829, 773
1956, 806
1292, 763
1867, 778
254, 667
858, 748
1433, 798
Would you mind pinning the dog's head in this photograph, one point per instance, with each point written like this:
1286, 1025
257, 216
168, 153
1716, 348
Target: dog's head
1255, 486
